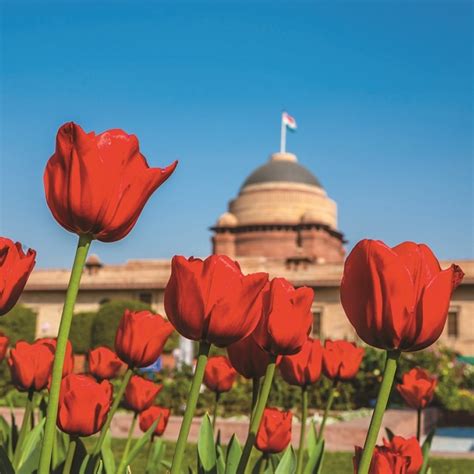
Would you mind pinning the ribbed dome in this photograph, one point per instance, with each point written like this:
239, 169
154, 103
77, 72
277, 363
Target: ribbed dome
282, 167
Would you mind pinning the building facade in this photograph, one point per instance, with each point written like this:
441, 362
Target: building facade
281, 222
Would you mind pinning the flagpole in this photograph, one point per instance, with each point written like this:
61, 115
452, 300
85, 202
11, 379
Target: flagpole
283, 135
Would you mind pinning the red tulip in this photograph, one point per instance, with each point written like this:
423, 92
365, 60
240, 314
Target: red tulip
150, 415
99, 184
397, 298
399, 456
248, 358
15, 268
141, 337
211, 300
4, 341
141, 393
104, 363
341, 359
418, 388
31, 365
303, 368
274, 433
219, 375
83, 404
286, 319
384, 461
410, 448
68, 367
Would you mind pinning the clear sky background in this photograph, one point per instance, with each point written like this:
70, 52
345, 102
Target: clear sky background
381, 91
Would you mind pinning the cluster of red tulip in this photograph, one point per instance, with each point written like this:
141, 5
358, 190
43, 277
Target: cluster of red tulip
397, 300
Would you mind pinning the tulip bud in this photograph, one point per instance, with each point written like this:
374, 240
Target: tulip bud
83, 404
99, 184
211, 300
104, 363
417, 388
397, 298
341, 359
141, 393
286, 320
68, 367
248, 358
31, 365
219, 375
141, 337
15, 268
150, 415
274, 434
303, 368
398, 456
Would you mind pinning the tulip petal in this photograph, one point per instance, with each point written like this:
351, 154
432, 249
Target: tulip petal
432, 310
377, 294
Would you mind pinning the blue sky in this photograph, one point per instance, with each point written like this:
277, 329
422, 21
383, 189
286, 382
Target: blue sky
382, 92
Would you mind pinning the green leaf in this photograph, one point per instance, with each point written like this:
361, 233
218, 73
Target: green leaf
258, 465
287, 464
274, 460
137, 447
166, 464
156, 454
4, 432
13, 439
390, 434
29, 457
220, 461
85, 465
206, 447
108, 455
5, 464
60, 448
80, 457
234, 451
315, 461
425, 449
311, 439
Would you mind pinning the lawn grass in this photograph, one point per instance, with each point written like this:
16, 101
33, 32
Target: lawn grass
334, 463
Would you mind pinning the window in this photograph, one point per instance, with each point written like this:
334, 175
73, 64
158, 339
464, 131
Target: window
317, 316
453, 323
145, 298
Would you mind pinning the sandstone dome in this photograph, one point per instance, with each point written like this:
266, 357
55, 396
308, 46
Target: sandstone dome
280, 192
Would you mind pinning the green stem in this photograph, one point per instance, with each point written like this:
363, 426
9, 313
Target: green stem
214, 411
380, 406
25, 428
70, 455
64, 328
304, 416
327, 409
418, 424
190, 407
257, 416
110, 415
123, 462
255, 390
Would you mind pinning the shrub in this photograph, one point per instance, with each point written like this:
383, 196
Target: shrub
81, 331
19, 323
106, 322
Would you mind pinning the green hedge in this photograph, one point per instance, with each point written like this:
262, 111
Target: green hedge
81, 331
106, 321
19, 323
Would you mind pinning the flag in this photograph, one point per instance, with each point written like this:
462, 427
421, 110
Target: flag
289, 122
